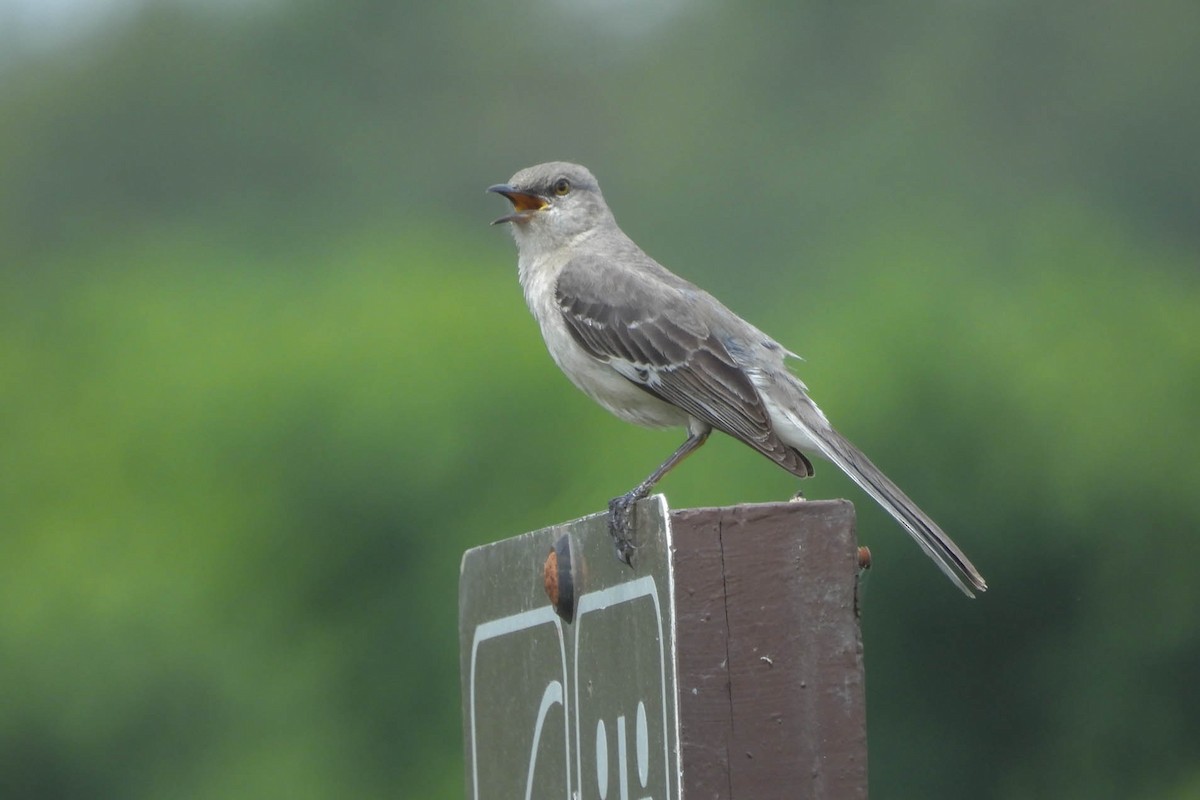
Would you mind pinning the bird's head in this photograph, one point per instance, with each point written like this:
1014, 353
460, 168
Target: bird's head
553, 202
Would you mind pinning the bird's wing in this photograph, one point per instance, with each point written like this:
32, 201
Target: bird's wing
651, 333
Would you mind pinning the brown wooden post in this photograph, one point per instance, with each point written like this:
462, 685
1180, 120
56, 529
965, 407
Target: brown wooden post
771, 688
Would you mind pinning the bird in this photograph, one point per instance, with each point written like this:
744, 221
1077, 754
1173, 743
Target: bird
658, 351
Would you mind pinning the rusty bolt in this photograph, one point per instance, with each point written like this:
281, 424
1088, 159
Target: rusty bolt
864, 557
559, 580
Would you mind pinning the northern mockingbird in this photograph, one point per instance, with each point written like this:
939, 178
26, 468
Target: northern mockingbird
658, 351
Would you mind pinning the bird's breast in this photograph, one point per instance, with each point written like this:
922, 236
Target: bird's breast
594, 377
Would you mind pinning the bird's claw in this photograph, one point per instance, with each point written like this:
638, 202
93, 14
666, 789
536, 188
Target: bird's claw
621, 527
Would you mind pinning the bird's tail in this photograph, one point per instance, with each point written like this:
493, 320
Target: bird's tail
814, 430
936, 544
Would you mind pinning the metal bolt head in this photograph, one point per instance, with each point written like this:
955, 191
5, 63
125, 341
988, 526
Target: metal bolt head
558, 578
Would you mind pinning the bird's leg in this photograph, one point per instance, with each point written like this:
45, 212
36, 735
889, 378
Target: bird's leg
619, 508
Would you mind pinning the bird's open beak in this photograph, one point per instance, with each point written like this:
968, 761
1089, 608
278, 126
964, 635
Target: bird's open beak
525, 205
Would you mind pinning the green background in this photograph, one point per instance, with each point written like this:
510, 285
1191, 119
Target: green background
266, 372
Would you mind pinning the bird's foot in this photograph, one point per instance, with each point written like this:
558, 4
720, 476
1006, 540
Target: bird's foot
620, 525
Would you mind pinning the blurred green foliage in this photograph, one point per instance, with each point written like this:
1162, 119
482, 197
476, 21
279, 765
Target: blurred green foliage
265, 373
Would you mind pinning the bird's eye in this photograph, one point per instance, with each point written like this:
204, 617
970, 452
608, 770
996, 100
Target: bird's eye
562, 186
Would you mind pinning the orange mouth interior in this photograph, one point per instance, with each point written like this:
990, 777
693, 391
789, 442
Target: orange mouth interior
525, 202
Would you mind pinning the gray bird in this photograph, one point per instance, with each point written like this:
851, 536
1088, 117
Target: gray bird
660, 352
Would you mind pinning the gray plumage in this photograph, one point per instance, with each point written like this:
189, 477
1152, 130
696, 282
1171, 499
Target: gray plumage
656, 350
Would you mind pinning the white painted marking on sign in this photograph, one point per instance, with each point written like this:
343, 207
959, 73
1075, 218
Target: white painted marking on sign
622, 758
642, 739
601, 759
611, 596
503, 626
553, 695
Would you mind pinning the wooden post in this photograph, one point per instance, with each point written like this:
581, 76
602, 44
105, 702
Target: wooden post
771, 693
727, 663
